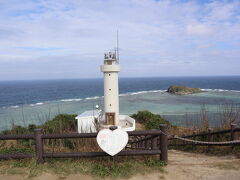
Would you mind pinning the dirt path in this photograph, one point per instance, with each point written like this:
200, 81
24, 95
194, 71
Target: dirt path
198, 166
181, 166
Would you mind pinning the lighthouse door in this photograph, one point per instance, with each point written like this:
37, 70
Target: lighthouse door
110, 118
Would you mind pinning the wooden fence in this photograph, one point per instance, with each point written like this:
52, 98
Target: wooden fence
209, 138
157, 139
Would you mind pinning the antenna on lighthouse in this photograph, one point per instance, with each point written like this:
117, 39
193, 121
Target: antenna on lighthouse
117, 49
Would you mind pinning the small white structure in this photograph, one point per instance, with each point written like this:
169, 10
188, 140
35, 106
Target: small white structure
87, 121
126, 123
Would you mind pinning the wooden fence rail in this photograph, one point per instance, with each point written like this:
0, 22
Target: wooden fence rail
158, 139
209, 136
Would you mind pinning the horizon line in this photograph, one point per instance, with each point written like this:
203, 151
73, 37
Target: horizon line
121, 77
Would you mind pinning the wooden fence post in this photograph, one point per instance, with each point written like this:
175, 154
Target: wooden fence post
194, 138
210, 136
39, 145
163, 143
233, 133
185, 142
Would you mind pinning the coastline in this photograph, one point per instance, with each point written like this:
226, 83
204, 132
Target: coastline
157, 101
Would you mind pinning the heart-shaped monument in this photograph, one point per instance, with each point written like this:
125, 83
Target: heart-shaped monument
112, 142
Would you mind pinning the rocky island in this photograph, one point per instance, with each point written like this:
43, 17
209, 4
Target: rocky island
183, 90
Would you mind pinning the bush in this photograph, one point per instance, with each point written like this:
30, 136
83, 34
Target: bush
20, 130
31, 127
155, 122
61, 123
142, 116
150, 120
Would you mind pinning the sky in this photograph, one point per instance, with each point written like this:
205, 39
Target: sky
56, 39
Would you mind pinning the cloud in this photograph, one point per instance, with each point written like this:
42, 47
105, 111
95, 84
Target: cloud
152, 34
222, 11
198, 29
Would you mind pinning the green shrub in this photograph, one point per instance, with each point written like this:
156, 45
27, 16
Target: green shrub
4, 132
142, 116
150, 120
155, 122
61, 123
20, 130
31, 127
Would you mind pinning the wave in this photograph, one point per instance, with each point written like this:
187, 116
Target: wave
37, 104
220, 90
142, 92
70, 100
90, 98
14, 106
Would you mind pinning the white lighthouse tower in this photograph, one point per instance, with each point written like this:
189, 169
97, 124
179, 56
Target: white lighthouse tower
110, 70
93, 120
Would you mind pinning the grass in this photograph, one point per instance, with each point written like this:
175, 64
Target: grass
16, 150
123, 167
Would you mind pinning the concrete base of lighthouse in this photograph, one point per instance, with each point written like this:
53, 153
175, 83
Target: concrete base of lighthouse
125, 123
90, 121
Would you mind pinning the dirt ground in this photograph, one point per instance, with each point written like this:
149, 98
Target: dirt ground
181, 166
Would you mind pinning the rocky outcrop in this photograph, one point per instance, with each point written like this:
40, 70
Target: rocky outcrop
182, 90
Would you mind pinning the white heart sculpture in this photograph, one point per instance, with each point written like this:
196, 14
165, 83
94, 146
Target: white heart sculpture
112, 142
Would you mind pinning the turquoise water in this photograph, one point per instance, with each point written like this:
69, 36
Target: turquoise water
159, 102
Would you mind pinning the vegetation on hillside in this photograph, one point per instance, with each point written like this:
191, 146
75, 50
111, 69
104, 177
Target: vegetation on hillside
59, 124
100, 167
181, 90
149, 120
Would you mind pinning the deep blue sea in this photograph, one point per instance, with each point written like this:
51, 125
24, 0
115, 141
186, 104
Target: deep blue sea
13, 93
25, 102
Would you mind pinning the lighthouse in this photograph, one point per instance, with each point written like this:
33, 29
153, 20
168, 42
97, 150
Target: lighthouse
110, 70
95, 120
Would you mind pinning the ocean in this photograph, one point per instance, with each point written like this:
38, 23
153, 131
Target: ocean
34, 102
